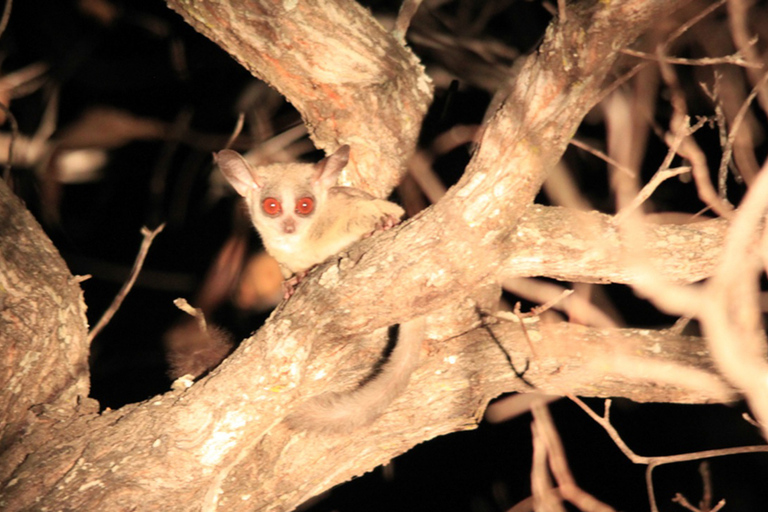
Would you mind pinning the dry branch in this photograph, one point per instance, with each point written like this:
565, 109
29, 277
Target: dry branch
220, 444
352, 81
587, 247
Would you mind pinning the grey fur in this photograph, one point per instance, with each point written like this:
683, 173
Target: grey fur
339, 412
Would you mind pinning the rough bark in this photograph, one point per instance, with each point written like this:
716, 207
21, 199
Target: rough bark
221, 444
588, 247
42, 324
351, 80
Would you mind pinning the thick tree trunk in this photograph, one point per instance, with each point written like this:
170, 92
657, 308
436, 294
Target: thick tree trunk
43, 331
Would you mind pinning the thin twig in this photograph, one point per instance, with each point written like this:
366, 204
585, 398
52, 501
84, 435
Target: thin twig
682, 29
621, 81
545, 429
519, 374
523, 328
407, 11
652, 462
734, 59
586, 147
538, 310
722, 132
738, 21
683, 502
196, 313
658, 178
545, 497
689, 148
737, 120
149, 236
720, 505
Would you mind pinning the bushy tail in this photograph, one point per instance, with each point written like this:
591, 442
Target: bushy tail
347, 411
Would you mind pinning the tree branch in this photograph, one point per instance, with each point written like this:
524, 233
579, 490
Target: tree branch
42, 322
220, 444
587, 247
352, 81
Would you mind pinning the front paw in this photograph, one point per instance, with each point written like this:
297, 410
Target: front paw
384, 223
290, 284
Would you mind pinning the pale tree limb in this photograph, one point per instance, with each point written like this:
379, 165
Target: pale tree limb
618, 165
329, 77
217, 443
728, 304
587, 247
730, 314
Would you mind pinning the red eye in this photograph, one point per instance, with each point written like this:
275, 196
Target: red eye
271, 206
305, 205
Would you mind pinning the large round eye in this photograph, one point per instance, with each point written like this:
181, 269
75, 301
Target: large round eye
271, 206
305, 205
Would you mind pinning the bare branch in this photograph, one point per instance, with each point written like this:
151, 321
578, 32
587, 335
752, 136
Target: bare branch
737, 19
689, 148
653, 462
407, 11
603, 156
660, 177
736, 59
587, 247
544, 428
149, 236
738, 119
550, 295
730, 315
330, 76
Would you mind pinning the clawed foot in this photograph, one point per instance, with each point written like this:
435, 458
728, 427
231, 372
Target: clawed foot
290, 284
386, 222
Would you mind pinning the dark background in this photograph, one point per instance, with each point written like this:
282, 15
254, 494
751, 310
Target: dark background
128, 63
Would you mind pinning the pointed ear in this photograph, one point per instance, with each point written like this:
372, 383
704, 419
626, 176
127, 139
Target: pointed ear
328, 168
237, 171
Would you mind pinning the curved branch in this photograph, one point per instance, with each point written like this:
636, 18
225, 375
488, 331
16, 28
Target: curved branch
42, 322
216, 443
352, 81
